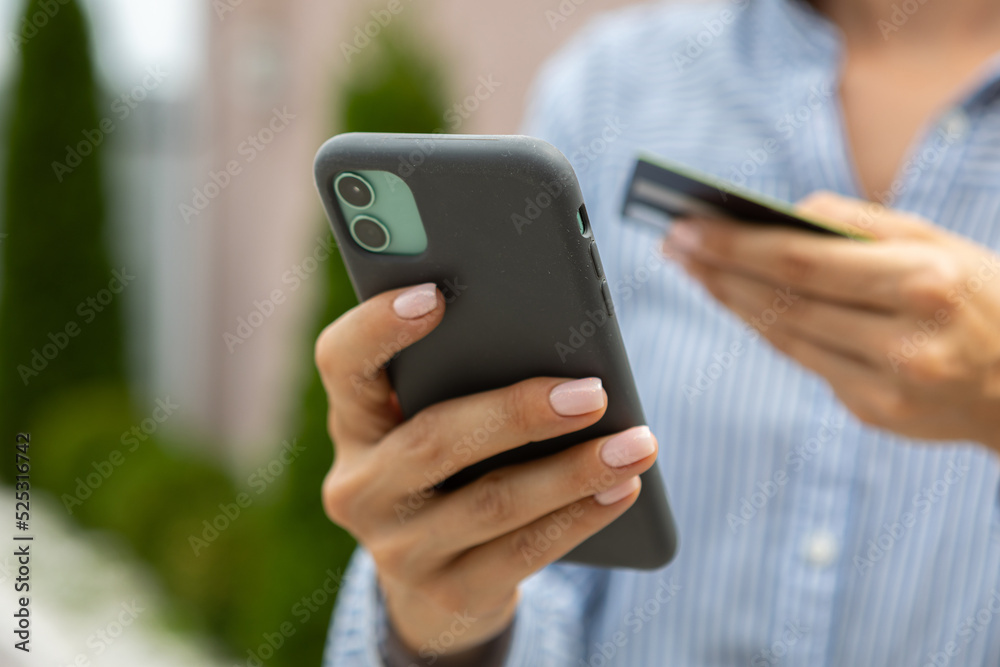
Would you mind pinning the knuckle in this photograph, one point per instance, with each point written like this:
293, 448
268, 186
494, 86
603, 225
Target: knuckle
794, 265
517, 402
930, 287
391, 555
720, 243
422, 444
449, 595
324, 351
524, 547
492, 498
892, 406
589, 476
934, 364
339, 494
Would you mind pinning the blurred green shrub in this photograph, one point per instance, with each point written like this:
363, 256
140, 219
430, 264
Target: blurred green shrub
265, 577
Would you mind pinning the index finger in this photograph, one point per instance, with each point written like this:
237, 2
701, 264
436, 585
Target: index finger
836, 269
352, 351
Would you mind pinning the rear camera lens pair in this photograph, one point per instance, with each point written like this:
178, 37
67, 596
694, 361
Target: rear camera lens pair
367, 231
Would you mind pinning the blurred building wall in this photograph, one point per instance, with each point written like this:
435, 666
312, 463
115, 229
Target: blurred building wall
286, 55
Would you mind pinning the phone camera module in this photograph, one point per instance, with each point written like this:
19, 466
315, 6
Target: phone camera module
369, 233
355, 191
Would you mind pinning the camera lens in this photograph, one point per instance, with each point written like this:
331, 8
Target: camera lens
370, 233
355, 191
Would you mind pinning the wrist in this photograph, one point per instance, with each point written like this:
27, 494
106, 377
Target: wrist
423, 628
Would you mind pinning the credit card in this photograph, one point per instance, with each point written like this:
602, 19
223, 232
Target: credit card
661, 190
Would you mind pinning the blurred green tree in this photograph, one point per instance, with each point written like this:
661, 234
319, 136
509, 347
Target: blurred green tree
60, 324
265, 578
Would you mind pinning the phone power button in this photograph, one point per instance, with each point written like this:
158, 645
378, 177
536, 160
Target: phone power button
596, 260
606, 292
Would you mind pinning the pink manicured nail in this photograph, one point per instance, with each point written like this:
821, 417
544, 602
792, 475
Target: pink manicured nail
628, 447
577, 397
616, 493
416, 301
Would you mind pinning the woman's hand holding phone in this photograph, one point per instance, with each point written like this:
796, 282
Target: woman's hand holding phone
465, 551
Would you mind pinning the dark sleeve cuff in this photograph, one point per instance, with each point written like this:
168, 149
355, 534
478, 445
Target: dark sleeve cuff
491, 654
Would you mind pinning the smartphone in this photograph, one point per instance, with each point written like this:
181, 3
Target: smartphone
661, 190
499, 224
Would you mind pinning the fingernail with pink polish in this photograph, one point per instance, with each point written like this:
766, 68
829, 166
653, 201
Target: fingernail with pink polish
577, 397
628, 447
616, 493
416, 301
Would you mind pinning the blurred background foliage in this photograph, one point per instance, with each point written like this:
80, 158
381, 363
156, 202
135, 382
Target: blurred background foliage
247, 581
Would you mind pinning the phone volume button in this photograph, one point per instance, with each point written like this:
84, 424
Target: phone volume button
606, 292
596, 260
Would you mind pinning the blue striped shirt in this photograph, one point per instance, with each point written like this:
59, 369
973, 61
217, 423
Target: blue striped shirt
807, 537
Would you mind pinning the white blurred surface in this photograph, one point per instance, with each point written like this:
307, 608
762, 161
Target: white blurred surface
80, 585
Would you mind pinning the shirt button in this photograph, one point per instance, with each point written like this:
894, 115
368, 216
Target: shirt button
821, 548
955, 124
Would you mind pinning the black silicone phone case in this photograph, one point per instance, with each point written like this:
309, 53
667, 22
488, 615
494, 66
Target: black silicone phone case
516, 292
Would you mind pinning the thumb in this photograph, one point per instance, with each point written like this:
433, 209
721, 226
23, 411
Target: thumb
865, 217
